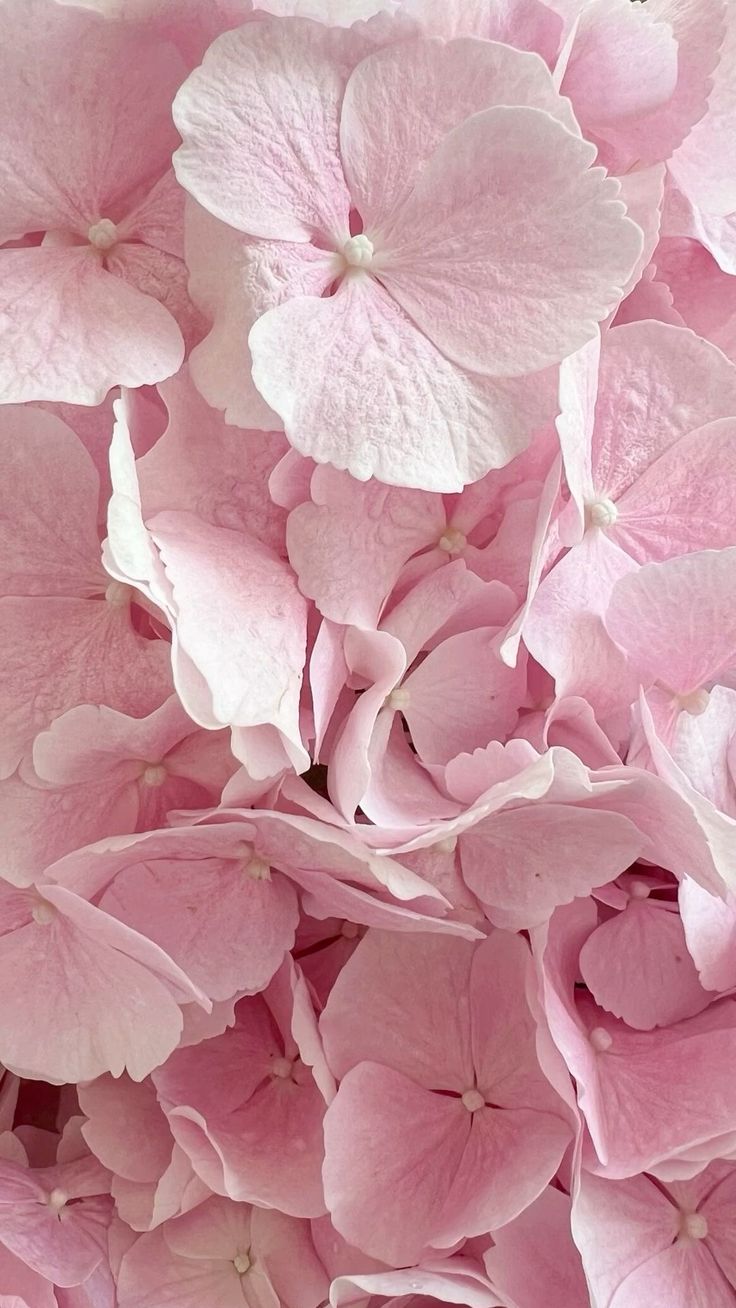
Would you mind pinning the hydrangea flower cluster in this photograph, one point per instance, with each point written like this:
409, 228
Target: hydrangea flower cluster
368, 633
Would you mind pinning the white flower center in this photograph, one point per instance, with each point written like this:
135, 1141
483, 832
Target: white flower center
282, 1068
639, 890
118, 594
358, 252
693, 1225
452, 541
602, 513
257, 869
600, 1039
153, 774
447, 845
241, 1263
103, 234
57, 1200
43, 912
473, 1100
398, 699
695, 702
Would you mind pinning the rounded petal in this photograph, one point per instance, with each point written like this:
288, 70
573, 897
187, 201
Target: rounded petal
510, 248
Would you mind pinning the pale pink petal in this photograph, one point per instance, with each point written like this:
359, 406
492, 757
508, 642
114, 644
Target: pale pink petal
476, 287
461, 696
437, 86
43, 552
637, 966
524, 862
58, 653
710, 931
650, 393
703, 167
227, 582
259, 121
234, 279
524, 24
71, 330
204, 466
683, 501
76, 174
677, 620
349, 544
451, 426
620, 75
564, 629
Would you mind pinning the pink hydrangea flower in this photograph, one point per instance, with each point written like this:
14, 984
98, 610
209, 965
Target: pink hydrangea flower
446, 294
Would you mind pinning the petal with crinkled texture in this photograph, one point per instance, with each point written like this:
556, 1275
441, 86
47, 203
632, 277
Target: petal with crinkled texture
259, 121
81, 171
87, 1001
676, 620
426, 89
347, 545
475, 286
71, 330
60, 652
451, 425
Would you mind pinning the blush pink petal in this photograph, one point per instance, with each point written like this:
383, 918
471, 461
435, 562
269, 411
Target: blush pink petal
272, 169
488, 265
58, 653
647, 607
637, 966
524, 862
67, 1246
396, 1210
24, 1287
227, 930
143, 1152
452, 425
533, 1259
259, 1136
349, 523
439, 84
637, 1065
70, 970
71, 330
448, 1280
